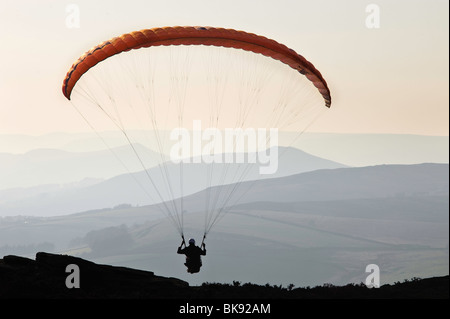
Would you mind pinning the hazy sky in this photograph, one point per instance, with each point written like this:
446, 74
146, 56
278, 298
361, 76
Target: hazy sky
391, 79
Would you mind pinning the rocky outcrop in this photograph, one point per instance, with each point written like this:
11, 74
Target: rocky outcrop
54, 276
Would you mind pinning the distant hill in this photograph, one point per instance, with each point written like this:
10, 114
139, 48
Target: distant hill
40, 167
376, 149
324, 227
134, 188
348, 149
382, 181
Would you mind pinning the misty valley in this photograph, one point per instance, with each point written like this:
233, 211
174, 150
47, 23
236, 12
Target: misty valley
323, 224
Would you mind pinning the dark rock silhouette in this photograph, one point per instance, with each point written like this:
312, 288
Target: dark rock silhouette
45, 278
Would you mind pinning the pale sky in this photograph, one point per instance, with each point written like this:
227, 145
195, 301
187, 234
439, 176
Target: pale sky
391, 79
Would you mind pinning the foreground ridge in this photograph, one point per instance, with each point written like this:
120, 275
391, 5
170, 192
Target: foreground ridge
48, 277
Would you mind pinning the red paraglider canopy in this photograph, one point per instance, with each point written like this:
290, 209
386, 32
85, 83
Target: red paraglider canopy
195, 36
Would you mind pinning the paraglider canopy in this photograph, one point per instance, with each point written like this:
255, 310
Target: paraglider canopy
218, 93
195, 36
